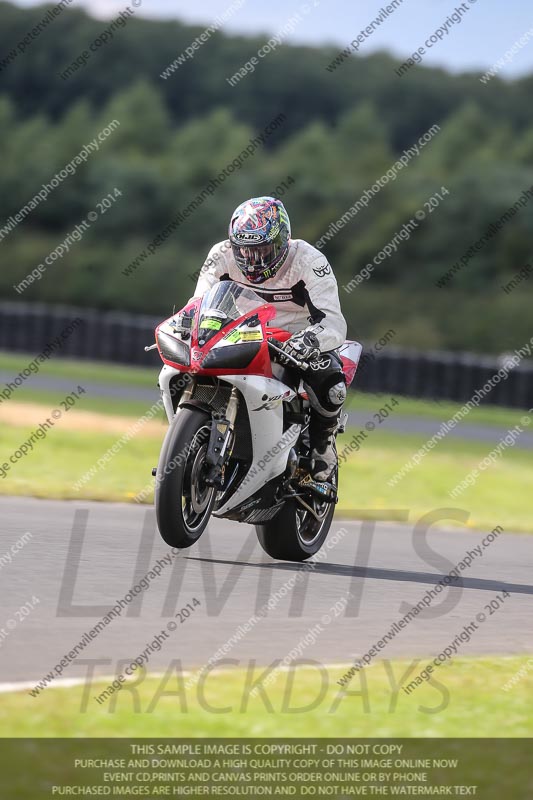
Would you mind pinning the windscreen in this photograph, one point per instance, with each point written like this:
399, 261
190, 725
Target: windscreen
224, 303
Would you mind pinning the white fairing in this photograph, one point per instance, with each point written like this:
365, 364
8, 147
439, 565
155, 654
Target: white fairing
270, 446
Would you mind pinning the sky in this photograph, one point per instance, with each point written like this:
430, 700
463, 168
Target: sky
489, 28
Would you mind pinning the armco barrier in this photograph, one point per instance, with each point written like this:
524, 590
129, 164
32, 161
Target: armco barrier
437, 375
103, 335
120, 337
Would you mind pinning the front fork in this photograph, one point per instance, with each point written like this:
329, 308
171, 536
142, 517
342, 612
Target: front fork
221, 441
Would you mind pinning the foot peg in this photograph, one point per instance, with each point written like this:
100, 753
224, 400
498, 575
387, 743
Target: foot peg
154, 472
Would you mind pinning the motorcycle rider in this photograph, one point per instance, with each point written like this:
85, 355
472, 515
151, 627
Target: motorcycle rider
298, 280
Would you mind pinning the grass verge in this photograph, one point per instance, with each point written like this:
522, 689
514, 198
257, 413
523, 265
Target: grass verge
465, 699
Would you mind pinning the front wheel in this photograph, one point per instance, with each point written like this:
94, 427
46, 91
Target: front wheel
183, 500
295, 534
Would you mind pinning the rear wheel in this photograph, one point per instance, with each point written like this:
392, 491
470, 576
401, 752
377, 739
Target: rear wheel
295, 534
183, 500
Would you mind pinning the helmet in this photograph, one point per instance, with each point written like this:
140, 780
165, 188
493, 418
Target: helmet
259, 233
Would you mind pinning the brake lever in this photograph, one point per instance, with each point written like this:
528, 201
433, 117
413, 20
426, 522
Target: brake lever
152, 347
297, 363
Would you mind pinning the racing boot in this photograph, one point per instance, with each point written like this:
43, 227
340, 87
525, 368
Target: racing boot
323, 450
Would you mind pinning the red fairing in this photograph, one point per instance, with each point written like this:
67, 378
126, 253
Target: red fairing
350, 352
349, 368
260, 365
194, 304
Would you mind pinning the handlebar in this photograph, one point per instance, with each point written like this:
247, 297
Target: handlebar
297, 363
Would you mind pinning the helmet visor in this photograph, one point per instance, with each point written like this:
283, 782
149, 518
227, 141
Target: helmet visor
257, 261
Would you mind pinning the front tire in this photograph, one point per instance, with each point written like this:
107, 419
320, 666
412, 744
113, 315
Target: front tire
294, 534
183, 501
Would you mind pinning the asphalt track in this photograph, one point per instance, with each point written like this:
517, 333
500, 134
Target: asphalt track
91, 554
398, 422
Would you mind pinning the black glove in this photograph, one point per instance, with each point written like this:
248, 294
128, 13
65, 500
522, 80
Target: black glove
303, 345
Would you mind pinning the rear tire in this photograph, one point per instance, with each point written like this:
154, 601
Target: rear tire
183, 502
294, 534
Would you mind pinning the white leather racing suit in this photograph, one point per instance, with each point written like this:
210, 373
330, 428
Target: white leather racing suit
305, 295
304, 291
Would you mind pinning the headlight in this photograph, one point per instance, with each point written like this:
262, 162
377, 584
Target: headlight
173, 349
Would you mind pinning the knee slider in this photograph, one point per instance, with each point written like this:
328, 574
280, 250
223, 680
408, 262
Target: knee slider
337, 394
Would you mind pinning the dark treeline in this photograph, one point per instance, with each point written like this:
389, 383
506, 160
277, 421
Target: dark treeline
338, 134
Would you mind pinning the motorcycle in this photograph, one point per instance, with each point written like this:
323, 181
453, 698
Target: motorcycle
238, 446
